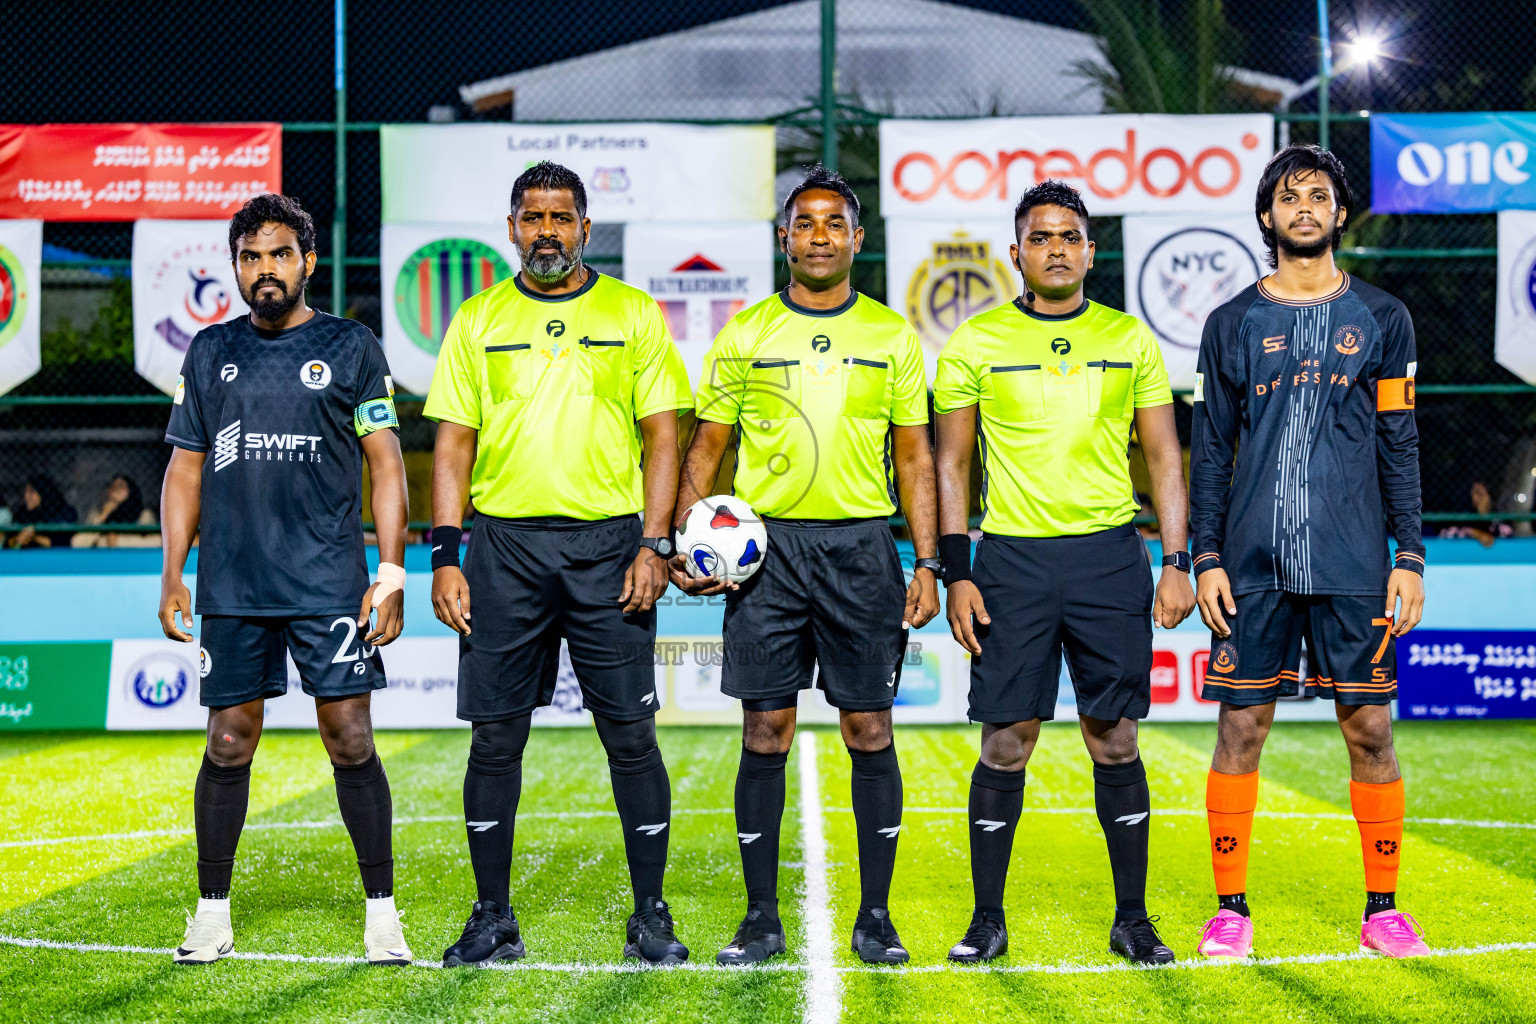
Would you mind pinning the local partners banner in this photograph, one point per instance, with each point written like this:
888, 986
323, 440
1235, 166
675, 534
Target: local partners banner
1515, 321
1122, 163
939, 273
1180, 267
21, 267
463, 173
701, 275
428, 270
1452, 163
183, 281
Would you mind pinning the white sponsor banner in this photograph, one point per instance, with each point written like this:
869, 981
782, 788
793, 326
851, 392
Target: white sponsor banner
1180, 267
1122, 163
426, 272
1515, 322
463, 173
154, 684
701, 275
183, 281
21, 269
939, 273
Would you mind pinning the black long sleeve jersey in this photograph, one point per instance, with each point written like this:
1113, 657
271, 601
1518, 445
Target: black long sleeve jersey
1314, 402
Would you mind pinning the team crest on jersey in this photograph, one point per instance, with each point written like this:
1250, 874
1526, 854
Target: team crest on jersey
1225, 661
315, 374
1065, 369
1347, 339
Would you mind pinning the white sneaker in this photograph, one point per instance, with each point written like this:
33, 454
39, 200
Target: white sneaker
209, 935
383, 935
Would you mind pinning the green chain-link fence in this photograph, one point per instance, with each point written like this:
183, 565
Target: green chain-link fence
824, 71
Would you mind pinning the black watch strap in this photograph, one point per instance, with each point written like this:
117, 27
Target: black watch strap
661, 545
1178, 560
933, 565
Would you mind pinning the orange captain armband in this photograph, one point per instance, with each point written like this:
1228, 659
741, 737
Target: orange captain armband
1394, 395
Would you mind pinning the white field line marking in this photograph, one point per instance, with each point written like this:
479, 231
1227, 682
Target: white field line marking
1179, 812
812, 970
822, 1000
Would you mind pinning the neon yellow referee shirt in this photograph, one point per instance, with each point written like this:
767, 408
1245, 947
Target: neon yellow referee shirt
813, 394
554, 385
1058, 396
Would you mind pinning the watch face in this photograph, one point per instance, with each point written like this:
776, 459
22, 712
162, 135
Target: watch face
662, 547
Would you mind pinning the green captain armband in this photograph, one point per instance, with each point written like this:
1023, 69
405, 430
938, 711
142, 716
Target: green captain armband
375, 414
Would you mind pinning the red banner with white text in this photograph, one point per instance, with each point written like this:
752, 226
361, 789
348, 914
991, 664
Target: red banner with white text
131, 171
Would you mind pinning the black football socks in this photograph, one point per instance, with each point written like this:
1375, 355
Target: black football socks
493, 783
219, 803
643, 794
877, 799
362, 794
997, 801
1125, 809
759, 812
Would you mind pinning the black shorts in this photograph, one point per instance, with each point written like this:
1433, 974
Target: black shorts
1351, 654
533, 582
242, 658
1090, 595
829, 594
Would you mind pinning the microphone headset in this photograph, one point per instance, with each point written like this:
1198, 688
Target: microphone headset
1029, 296
784, 247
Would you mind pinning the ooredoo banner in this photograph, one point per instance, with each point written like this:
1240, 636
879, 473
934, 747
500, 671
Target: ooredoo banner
701, 275
183, 281
128, 171
21, 267
1452, 163
1180, 267
428, 270
463, 173
1514, 343
1131, 163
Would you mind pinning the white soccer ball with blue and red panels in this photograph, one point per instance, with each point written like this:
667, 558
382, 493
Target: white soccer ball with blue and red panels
721, 536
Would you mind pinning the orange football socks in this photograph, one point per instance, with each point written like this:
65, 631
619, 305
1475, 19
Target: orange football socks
1229, 804
1378, 810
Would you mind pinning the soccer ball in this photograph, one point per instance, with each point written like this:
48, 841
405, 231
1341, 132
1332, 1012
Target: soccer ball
722, 537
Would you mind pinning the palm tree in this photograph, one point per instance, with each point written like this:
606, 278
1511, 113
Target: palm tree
1157, 65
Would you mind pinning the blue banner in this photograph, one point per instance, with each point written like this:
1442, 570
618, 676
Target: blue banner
1453, 163
1467, 673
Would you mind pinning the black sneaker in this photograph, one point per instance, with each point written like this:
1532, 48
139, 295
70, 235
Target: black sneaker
760, 936
649, 937
491, 933
875, 938
986, 939
1138, 942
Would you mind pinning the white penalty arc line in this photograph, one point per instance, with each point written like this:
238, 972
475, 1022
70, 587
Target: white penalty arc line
822, 999
831, 971
437, 819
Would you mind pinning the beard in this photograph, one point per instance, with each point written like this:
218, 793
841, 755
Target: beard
1308, 250
272, 310
549, 268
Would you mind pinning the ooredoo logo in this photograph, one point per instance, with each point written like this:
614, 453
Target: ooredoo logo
1109, 173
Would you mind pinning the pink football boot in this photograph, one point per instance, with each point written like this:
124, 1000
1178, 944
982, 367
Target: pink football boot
1392, 933
1228, 935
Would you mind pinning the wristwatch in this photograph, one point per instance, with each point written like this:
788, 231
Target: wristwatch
933, 565
661, 545
1178, 560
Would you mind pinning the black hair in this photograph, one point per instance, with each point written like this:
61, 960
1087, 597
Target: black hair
271, 209
53, 508
1050, 192
132, 506
547, 174
819, 177
1300, 159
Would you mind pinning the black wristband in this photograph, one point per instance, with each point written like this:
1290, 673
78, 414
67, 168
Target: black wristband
955, 553
445, 546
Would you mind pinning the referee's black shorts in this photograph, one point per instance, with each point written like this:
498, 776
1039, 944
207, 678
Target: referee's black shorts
1090, 595
533, 581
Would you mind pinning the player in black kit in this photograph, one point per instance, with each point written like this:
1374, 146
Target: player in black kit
272, 417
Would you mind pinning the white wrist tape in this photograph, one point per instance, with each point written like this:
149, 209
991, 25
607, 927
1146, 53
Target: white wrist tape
391, 578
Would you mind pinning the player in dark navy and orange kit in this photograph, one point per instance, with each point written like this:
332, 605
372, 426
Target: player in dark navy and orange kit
1304, 455
273, 416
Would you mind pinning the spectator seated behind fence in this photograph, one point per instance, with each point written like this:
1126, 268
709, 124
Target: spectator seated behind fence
1484, 532
122, 502
42, 503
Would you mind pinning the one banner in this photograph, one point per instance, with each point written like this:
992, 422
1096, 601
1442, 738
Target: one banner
1178, 268
183, 281
1467, 673
21, 268
129, 171
701, 275
427, 270
1514, 343
939, 273
1452, 163
463, 173
1123, 163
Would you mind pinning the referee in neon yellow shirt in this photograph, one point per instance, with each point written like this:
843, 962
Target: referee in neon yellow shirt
549, 388
1054, 384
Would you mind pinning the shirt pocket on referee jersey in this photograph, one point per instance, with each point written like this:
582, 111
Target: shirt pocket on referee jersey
1109, 387
605, 372
509, 372
866, 388
1018, 393
773, 390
